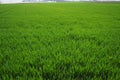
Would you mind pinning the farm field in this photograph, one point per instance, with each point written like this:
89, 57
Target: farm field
60, 41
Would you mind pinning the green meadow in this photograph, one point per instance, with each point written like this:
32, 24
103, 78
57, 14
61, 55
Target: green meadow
60, 41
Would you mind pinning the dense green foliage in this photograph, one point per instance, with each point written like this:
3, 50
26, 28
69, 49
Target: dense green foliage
60, 41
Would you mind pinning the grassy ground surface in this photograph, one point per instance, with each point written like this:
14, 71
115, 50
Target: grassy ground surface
60, 41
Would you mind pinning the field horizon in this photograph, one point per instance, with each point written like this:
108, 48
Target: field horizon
60, 41
42, 2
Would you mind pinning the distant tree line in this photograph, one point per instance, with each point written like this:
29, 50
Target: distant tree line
40, 0
62, 0
52, 0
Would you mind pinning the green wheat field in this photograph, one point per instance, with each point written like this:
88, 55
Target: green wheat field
60, 41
